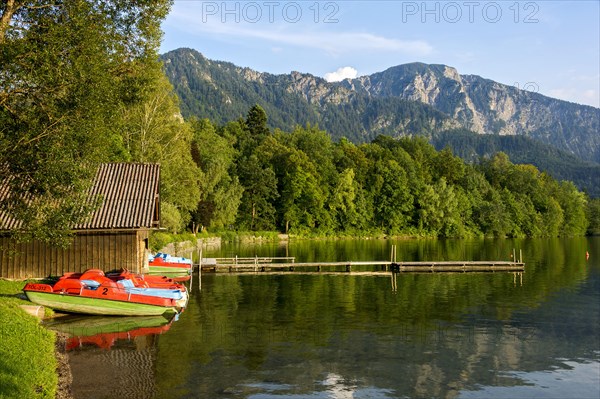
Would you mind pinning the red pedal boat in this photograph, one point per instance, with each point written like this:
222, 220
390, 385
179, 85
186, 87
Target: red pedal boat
171, 266
92, 292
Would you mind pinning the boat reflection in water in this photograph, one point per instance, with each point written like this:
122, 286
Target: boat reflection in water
105, 352
104, 332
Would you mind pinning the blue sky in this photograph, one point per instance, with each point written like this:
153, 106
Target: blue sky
551, 47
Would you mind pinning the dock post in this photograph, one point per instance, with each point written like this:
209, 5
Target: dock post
520, 255
348, 267
200, 270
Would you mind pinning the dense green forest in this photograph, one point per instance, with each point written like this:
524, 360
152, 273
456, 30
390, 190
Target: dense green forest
98, 93
560, 164
302, 182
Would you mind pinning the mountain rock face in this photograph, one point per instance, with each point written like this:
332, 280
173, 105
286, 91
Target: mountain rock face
410, 99
485, 106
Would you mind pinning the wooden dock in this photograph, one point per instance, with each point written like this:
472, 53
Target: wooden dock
391, 269
281, 265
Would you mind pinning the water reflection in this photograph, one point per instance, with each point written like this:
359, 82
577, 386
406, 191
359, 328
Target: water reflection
443, 335
112, 357
339, 336
104, 332
573, 380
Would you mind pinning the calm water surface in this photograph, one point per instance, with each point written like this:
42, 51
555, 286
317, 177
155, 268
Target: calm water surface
488, 335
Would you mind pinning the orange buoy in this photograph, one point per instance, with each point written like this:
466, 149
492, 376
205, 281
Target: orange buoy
587, 255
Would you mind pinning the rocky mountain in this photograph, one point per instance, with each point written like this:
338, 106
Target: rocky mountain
485, 106
223, 92
411, 99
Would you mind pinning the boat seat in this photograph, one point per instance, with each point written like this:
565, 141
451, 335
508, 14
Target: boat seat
68, 284
92, 274
126, 283
93, 284
157, 292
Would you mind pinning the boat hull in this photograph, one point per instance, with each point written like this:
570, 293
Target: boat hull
169, 269
96, 306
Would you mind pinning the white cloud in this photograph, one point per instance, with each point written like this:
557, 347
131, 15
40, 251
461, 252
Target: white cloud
341, 74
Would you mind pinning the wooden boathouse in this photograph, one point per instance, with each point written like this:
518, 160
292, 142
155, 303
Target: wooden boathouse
115, 236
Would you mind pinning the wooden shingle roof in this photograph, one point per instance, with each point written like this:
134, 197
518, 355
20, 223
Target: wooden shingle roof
129, 194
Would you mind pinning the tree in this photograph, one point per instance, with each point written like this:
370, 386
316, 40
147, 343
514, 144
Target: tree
492, 215
342, 203
153, 131
439, 210
552, 218
391, 195
221, 192
69, 69
303, 195
254, 131
573, 203
448, 166
317, 145
593, 215
256, 122
257, 210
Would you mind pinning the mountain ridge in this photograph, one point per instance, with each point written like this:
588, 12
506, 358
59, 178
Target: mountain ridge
408, 99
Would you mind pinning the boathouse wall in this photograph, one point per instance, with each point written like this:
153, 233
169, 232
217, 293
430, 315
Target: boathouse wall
93, 250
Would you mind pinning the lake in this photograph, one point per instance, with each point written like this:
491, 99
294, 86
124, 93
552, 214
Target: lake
443, 335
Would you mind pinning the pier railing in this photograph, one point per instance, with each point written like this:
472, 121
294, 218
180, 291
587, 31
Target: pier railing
270, 265
262, 264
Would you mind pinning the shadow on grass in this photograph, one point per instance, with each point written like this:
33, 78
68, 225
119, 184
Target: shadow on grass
18, 295
9, 385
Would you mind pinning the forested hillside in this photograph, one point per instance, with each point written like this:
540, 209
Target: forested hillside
403, 100
432, 101
304, 183
559, 164
222, 92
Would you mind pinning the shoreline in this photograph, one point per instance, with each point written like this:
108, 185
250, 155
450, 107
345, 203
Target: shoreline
63, 369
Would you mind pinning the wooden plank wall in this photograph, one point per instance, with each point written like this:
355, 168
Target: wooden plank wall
106, 251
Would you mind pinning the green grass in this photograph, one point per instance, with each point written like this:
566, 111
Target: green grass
27, 361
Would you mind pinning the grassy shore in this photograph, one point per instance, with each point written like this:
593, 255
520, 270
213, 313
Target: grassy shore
27, 359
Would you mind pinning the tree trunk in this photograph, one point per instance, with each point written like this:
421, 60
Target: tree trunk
10, 6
